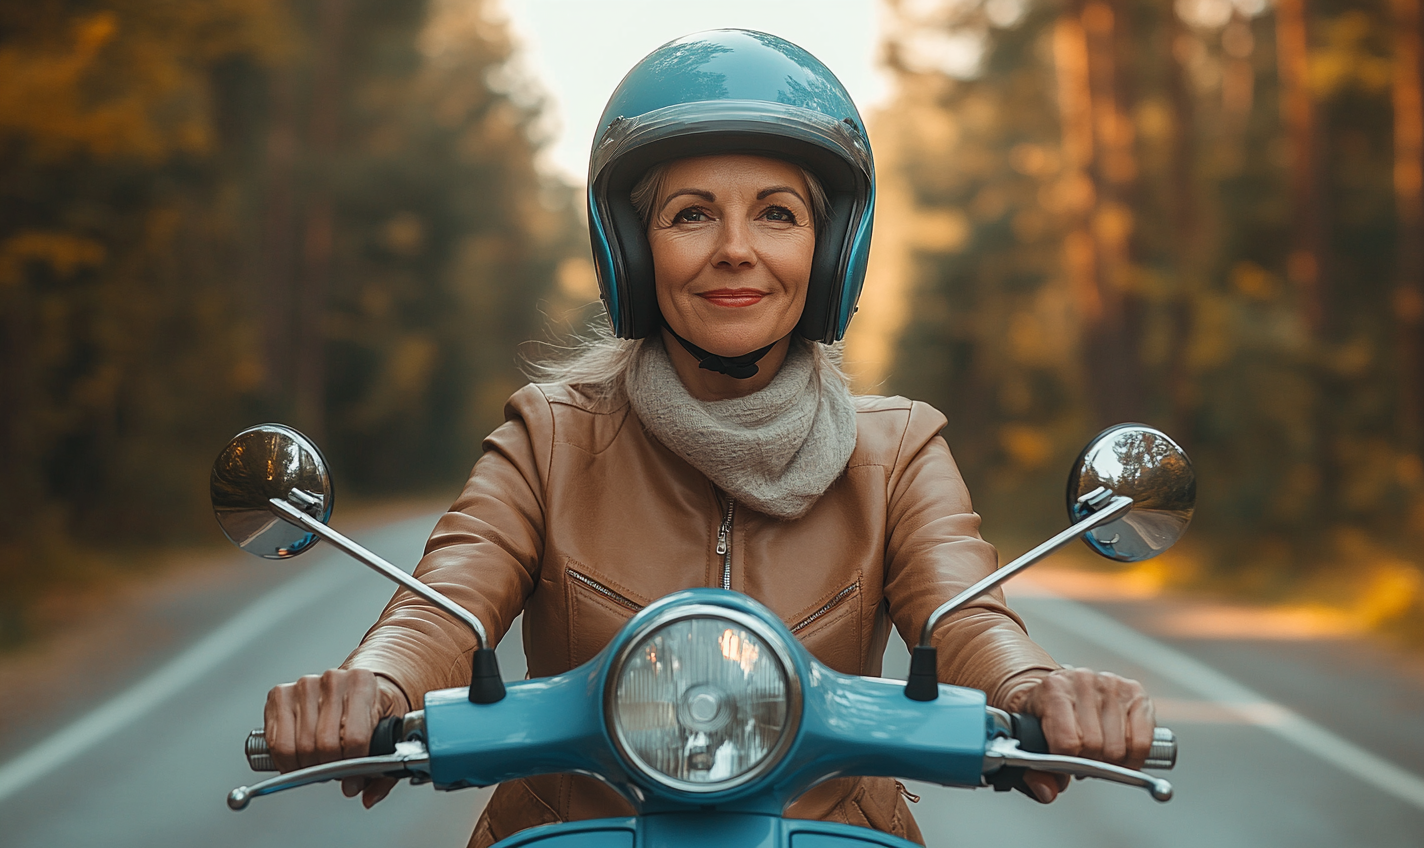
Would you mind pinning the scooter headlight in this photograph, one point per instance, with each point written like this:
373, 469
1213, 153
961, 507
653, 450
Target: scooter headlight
703, 699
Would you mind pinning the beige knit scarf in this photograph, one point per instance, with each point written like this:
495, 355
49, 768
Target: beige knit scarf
776, 450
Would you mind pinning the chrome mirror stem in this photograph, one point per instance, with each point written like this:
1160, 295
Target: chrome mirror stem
486, 685
923, 682
1115, 508
295, 516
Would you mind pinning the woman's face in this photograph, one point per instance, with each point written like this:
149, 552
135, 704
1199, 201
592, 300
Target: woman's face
732, 241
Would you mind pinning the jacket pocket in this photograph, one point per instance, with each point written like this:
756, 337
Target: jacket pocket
825, 609
832, 630
596, 612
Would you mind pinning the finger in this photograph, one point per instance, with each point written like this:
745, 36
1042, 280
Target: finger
279, 727
1115, 697
1053, 703
377, 789
306, 706
331, 709
1141, 721
359, 715
1088, 709
352, 786
1045, 786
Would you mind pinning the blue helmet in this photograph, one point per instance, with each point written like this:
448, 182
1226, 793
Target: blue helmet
730, 91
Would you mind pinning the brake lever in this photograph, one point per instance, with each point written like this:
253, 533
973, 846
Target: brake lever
409, 760
1004, 752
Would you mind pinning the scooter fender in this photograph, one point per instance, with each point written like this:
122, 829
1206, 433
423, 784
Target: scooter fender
703, 830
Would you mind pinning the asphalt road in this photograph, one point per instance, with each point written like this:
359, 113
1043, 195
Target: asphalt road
1283, 744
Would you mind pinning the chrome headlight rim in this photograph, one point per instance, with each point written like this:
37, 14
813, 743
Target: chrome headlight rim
769, 635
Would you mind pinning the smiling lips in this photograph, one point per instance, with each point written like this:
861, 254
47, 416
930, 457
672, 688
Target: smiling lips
733, 298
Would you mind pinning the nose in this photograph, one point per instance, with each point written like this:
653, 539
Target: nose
734, 248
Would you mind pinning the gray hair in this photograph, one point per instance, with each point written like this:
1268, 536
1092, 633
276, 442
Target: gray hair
597, 364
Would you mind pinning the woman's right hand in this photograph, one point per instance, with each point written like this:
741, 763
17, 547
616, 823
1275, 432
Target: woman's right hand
330, 716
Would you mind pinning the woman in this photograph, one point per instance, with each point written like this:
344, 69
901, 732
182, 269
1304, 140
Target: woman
713, 442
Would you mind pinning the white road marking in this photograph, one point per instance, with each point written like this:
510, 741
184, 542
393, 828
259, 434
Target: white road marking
1206, 682
165, 682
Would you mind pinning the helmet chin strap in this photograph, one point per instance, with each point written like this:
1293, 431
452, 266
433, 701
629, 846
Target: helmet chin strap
742, 367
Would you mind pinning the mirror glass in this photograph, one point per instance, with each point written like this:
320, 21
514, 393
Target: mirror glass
261, 463
1147, 466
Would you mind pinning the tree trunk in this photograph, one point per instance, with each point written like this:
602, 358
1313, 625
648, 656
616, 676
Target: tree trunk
1188, 238
278, 263
1409, 205
319, 236
1099, 144
1306, 263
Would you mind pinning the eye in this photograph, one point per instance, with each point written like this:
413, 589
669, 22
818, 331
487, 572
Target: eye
691, 214
779, 215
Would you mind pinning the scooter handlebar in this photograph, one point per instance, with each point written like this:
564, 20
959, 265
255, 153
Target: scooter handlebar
1029, 731
388, 732
1007, 760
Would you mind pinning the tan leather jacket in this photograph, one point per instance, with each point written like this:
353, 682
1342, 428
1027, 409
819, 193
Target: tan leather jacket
577, 517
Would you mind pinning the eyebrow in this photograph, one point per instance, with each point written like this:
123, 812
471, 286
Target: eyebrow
768, 192
712, 198
695, 192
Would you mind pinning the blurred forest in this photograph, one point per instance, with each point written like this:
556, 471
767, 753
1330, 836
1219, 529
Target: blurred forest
1206, 215
219, 212
1203, 215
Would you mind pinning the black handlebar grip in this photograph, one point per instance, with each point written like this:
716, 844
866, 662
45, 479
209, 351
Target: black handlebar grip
383, 741
1029, 731
386, 735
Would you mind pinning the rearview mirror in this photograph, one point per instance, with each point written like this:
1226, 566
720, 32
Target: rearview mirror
261, 463
1143, 464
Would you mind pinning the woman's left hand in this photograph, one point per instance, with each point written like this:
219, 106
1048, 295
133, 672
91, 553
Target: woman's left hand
1090, 714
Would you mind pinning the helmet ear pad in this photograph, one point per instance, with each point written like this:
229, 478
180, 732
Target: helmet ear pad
638, 281
828, 272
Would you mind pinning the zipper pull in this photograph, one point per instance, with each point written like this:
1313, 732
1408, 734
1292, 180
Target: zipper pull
725, 528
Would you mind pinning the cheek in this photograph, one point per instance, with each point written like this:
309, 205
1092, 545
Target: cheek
676, 257
791, 263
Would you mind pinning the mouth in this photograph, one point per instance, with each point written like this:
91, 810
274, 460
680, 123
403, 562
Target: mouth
733, 298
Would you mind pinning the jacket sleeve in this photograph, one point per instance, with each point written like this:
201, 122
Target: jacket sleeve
484, 554
933, 551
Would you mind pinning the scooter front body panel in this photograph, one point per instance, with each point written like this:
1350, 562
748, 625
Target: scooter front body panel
541, 726
703, 830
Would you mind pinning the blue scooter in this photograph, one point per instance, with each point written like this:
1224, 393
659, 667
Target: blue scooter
704, 712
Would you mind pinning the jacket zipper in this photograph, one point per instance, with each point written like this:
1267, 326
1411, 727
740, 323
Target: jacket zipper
724, 544
827, 607
603, 590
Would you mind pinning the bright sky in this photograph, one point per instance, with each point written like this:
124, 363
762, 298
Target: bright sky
578, 50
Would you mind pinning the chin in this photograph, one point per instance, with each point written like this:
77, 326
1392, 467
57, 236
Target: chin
737, 344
